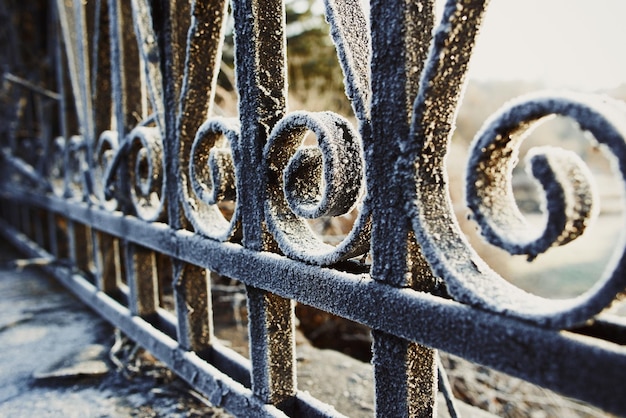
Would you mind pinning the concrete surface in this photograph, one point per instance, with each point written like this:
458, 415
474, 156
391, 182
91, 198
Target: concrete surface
55, 358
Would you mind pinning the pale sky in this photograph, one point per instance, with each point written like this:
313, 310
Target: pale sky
578, 44
564, 43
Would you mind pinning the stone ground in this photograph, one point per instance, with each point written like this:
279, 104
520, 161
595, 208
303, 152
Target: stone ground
56, 359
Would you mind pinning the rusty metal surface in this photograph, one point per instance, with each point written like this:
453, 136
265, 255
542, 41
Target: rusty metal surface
138, 169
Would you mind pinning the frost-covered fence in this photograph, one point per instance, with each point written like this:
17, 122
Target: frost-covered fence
114, 158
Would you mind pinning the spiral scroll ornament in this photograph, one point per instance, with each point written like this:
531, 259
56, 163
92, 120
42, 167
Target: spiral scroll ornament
570, 206
212, 179
146, 172
570, 193
68, 172
106, 150
310, 182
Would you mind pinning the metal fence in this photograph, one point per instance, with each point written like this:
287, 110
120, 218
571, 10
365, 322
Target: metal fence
117, 167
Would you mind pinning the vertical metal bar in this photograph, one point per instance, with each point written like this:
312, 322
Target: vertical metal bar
146, 20
88, 250
25, 220
43, 137
117, 80
48, 117
170, 22
141, 274
64, 235
260, 59
126, 85
19, 219
108, 263
405, 372
406, 376
73, 25
272, 342
31, 220
102, 94
203, 50
82, 247
67, 113
261, 80
192, 291
52, 37
90, 25
75, 34
123, 278
401, 33
165, 275
45, 228
204, 43
52, 234
71, 242
38, 227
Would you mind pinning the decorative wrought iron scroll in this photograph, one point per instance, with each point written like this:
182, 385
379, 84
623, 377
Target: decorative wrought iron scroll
138, 165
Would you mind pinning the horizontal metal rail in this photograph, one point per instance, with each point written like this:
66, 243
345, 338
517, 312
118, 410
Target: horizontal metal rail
512, 346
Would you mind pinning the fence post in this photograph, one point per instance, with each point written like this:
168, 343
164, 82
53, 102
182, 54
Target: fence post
141, 274
261, 80
405, 372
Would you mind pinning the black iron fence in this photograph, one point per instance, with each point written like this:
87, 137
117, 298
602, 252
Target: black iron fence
117, 167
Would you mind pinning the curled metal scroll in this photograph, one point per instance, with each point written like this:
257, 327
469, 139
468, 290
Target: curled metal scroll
469, 278
306, 182
106, 151
146, 172
212, 178
78, 179
68, 172
350, 34
564, 177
